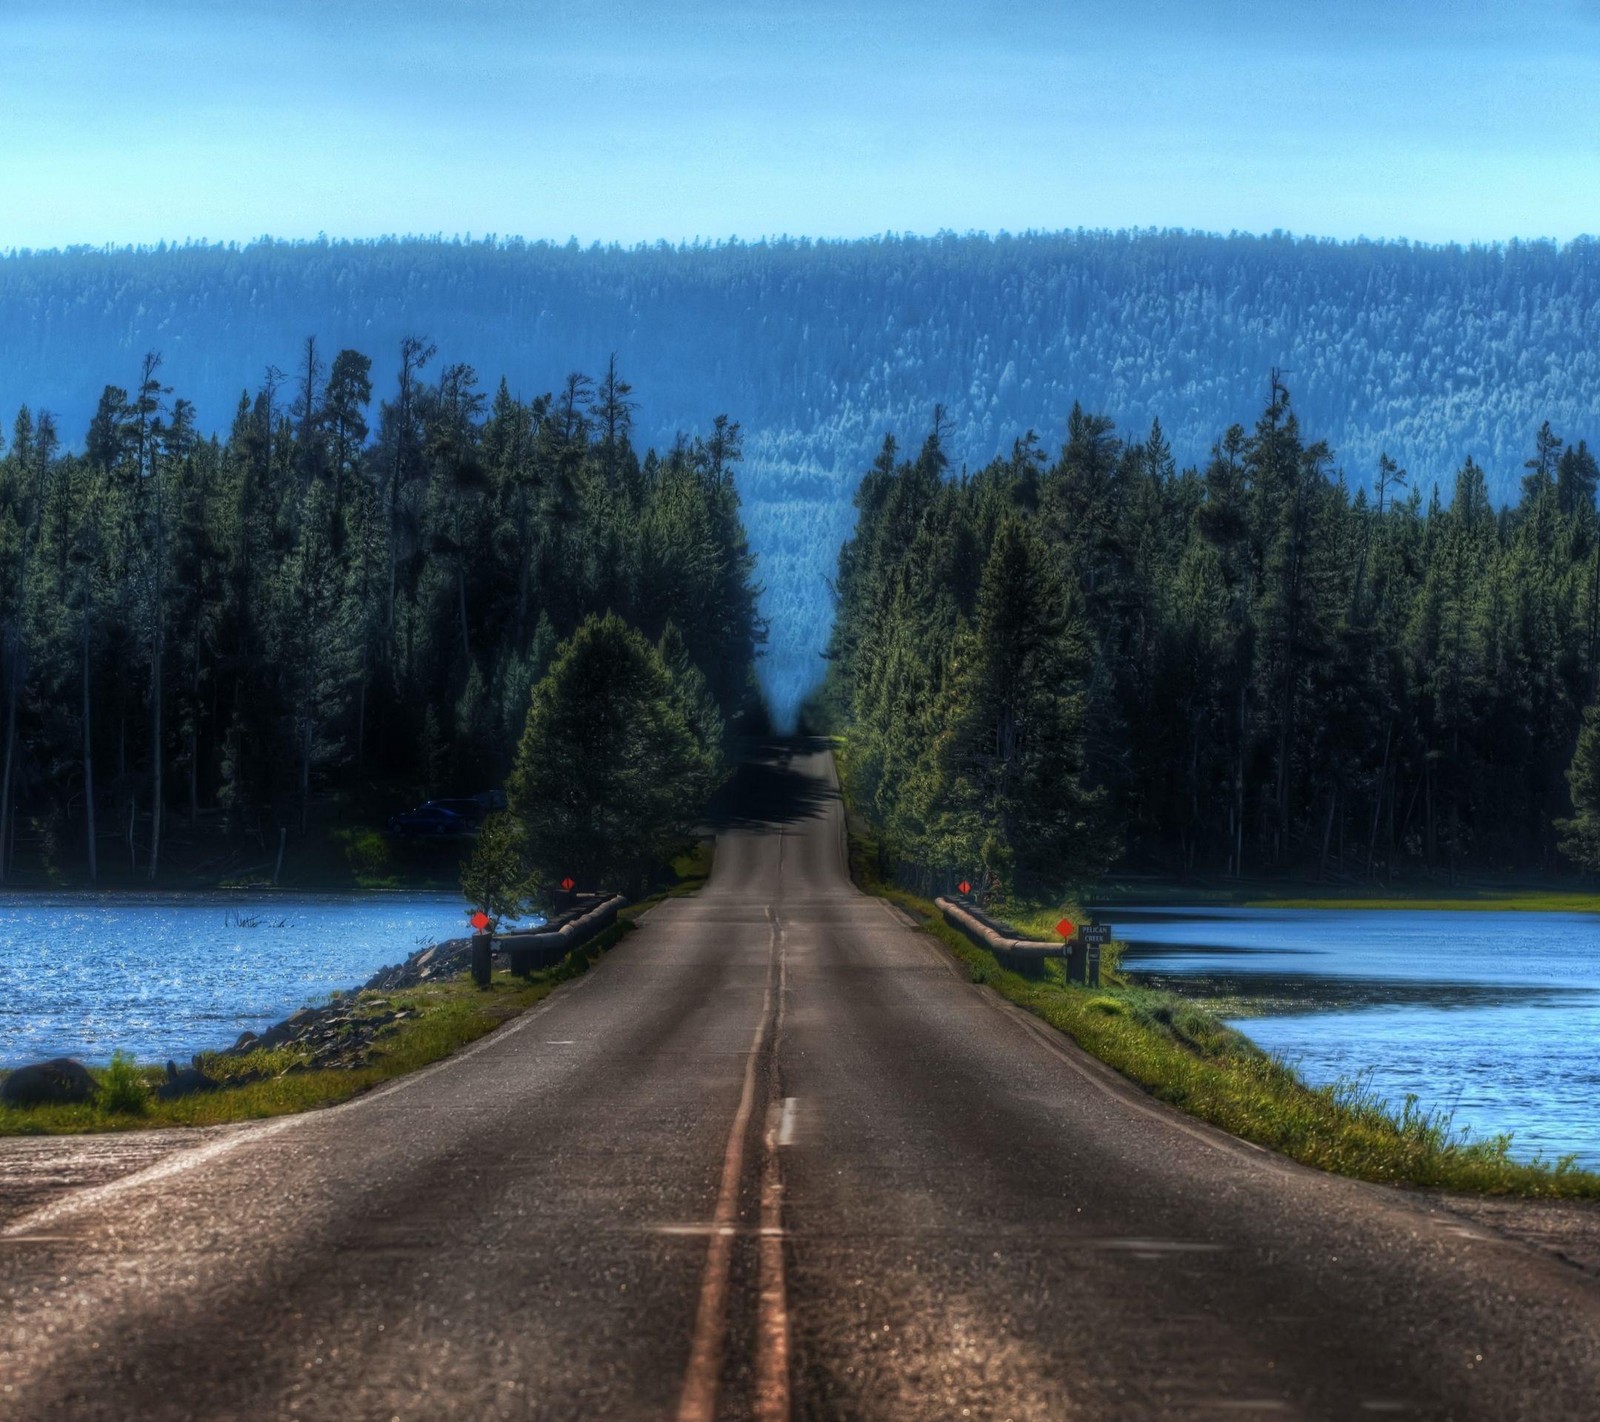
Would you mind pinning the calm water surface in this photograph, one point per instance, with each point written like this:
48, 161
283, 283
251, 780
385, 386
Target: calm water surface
86, 975
1494, 1016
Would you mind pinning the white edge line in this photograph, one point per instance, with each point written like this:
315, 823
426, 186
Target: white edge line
188, 1158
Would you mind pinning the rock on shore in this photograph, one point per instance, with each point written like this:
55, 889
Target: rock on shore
439, 960
337, 1035
58, 1082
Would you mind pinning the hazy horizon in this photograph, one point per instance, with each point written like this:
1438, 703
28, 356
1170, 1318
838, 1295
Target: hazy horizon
706, 241
626, 123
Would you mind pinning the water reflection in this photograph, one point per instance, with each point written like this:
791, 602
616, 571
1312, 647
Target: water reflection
167, 975
1495, 1016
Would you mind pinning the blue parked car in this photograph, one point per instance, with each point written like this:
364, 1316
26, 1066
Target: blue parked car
447, 816
431, 820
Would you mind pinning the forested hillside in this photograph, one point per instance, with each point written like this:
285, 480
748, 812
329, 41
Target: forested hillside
1063, 662
1427, 354
338, 601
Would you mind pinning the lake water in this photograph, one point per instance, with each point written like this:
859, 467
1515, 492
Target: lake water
86, 975
1494, 1016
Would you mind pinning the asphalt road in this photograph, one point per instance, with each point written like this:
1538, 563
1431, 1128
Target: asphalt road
775, 1157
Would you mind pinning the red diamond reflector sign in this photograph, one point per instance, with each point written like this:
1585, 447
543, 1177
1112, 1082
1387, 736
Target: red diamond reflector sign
480, 920
568, 884
1066, 928
965, 887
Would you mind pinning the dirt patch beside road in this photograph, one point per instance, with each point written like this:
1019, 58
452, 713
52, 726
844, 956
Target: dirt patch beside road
1568, 1229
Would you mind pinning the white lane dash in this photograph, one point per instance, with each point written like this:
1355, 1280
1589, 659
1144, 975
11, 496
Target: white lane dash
786, 1121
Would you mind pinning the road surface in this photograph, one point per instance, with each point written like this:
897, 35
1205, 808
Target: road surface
775, 1157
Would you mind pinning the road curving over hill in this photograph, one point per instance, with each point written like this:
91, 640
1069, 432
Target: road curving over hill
773, 1157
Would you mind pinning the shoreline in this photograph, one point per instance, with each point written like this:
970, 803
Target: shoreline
1423, 898
402, 1017
164, 973
319, 1056
1184, 1055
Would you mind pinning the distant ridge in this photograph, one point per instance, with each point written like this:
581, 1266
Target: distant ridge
821, 347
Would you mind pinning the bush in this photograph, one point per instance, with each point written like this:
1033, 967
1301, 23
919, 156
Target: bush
367, 853
123, 1089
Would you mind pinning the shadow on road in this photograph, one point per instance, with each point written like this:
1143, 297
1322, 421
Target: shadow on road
769, 790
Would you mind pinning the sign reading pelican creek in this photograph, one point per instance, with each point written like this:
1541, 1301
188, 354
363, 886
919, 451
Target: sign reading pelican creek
1094, 937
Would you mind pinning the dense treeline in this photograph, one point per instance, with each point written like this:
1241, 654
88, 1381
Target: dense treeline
1427, 353
333, 596
1238, 668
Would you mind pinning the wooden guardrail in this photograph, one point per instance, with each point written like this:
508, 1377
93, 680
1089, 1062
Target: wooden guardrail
545, 947
1022, 955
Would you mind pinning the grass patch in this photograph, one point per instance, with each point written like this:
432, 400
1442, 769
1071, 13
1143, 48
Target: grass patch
124, 1090
1184, 1055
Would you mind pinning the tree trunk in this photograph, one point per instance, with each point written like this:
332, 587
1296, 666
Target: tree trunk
1238, 797
194, 743
461, 606
88, 760
524, 565
12, 676
1405, 820
1431, 843
157, 648
1327, 832
155, 759
361, 715
305, 771
1377, 803
216, 701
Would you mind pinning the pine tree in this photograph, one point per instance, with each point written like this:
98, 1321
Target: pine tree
1011, 757
610, 777
1580, 835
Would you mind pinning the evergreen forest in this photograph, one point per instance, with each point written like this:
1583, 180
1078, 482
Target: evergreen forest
1425, 354
1070, 659
339, 605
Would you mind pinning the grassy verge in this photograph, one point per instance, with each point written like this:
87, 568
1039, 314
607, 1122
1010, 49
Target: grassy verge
439, 1018
1185, 1056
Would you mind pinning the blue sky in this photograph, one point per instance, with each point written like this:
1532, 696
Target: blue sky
147, 120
